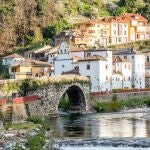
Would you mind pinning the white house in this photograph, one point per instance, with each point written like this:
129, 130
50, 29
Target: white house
63, 61
96, 68
52, 55
76, 52
122, 73
138, 66
11, 59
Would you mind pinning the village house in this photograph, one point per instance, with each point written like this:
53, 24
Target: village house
30, 68
106, 31
96, 68
71, 37
63, 61
95, 32
138, 26
138, 65
12, 59
119, 30
38, 54
122, 73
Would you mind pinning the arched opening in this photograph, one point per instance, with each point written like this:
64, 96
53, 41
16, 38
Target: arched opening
73, 100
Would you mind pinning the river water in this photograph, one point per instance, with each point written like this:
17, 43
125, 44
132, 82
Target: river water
115, 131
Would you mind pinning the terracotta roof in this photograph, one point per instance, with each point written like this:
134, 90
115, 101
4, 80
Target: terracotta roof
93, 58
53, 50
96, 50
32, 62
76, 58
118, 19
119, 59
76, 49
134, 16
40, 50
126, 51
74, 71
13, 56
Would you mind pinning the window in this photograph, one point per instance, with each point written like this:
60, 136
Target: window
88, 54
88, 67
125, 57
114, 25
106, 78
114, 32
89, 77
63, 66
119, 39
106, 67
129, 78
125, 32
125, 25
132, 57
129, 67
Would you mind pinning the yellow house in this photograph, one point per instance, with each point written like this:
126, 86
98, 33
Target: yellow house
29, 68
138, 26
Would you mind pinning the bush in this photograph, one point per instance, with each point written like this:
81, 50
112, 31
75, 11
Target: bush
64, 103
36, 142
35, 119
114, 106
38, 120
101, 107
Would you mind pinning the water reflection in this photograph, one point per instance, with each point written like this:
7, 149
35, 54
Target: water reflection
93, 126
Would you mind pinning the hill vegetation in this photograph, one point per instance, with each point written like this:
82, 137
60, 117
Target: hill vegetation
26, 24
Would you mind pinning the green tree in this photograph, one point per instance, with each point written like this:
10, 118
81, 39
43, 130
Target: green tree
118, 11
50, 31
145, 11
131, 6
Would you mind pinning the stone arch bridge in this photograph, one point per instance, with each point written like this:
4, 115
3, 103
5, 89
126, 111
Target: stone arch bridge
44, 100
49, 97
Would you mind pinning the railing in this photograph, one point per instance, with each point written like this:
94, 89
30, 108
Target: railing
25, 99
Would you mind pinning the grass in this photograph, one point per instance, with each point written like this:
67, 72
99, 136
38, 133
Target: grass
115, 106
64, 103
19, 126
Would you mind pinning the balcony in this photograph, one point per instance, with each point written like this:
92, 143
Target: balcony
141, 29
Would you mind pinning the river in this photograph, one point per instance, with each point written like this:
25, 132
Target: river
111, 131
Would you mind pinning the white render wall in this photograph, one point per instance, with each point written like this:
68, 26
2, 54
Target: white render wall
138, 69
63, 61
99, 75
10, 61
78, 54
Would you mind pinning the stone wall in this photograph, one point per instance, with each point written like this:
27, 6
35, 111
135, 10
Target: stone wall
35, 109
131, 95
49, 96
19, 112
102, 98
120, 96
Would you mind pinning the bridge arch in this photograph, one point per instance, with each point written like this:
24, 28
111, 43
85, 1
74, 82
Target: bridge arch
76, 96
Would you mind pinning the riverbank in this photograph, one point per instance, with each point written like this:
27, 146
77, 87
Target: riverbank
120, 105
33, 134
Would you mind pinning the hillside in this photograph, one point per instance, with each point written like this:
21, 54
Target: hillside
25, 24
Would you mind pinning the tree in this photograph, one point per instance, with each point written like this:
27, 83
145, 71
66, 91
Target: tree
130, 5
145, 11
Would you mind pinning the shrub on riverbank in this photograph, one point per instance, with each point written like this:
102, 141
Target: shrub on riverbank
64, 103
115, 106
38, 120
